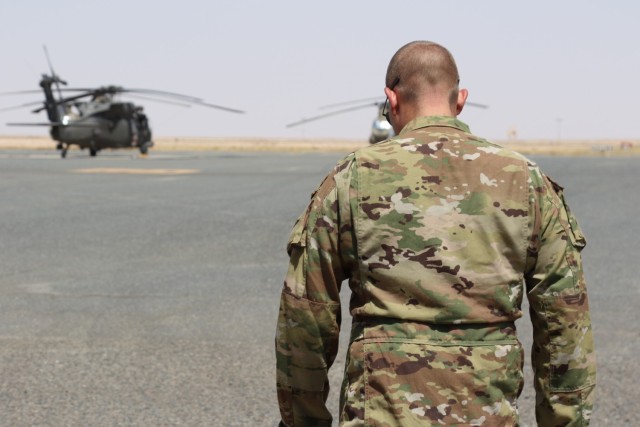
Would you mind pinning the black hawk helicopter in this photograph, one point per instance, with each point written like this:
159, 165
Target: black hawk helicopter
94, 119
380, 128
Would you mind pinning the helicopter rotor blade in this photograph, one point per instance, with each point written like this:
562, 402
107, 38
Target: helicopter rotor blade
72, 124
355, 101
77, 122
180, 97
33, 124
219, 107
15, 107
475, 104
63, 101
21, 92
53, 73
163, 93
76, 89
333, 113
113, 90
163, 101
46, 54
39, 91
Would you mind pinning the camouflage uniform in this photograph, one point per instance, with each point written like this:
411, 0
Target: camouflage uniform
439, 234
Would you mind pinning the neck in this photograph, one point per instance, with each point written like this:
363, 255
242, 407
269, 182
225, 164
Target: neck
409, 113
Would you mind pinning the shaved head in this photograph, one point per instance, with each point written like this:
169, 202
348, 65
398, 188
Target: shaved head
424, 68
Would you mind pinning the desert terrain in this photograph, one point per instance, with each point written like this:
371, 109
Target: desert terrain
613, 147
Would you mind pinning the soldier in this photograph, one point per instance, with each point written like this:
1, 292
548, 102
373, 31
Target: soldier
439, 233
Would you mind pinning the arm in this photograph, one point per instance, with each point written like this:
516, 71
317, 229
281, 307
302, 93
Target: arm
563, 353
309, 318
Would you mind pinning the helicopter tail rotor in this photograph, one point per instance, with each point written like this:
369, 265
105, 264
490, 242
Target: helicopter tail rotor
57, 80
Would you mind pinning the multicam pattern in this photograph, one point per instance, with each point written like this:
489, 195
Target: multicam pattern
439, 234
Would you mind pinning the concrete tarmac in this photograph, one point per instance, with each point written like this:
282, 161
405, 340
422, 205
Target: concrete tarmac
144, 291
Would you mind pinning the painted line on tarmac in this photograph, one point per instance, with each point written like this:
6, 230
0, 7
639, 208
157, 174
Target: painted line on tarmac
132, 171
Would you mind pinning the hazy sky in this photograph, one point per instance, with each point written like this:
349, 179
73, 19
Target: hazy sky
548, 69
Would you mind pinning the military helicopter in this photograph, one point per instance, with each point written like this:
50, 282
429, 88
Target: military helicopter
380, 128
94, 119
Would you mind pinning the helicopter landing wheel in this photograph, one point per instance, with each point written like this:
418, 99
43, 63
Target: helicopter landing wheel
144, 150
93, 152
63, 153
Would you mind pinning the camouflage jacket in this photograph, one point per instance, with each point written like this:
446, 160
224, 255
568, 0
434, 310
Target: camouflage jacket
439, 234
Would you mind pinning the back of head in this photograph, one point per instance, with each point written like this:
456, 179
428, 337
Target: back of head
424, 68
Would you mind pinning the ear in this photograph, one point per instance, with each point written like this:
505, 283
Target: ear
462, 99
393, 109
393, 98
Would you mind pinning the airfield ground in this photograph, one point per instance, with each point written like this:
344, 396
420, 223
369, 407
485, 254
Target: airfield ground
143, 291
527, 147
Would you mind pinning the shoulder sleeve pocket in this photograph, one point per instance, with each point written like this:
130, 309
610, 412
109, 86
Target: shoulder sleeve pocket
298, 236
568, 220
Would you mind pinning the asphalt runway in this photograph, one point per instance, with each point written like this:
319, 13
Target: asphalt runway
144, 291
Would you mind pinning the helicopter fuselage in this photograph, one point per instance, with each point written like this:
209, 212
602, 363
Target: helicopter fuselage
380, 130
96, 127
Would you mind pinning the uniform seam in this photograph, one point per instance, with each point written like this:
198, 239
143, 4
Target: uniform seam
358, 224
526, 236
367, 390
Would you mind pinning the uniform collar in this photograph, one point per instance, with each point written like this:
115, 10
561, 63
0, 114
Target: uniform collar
422, 122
